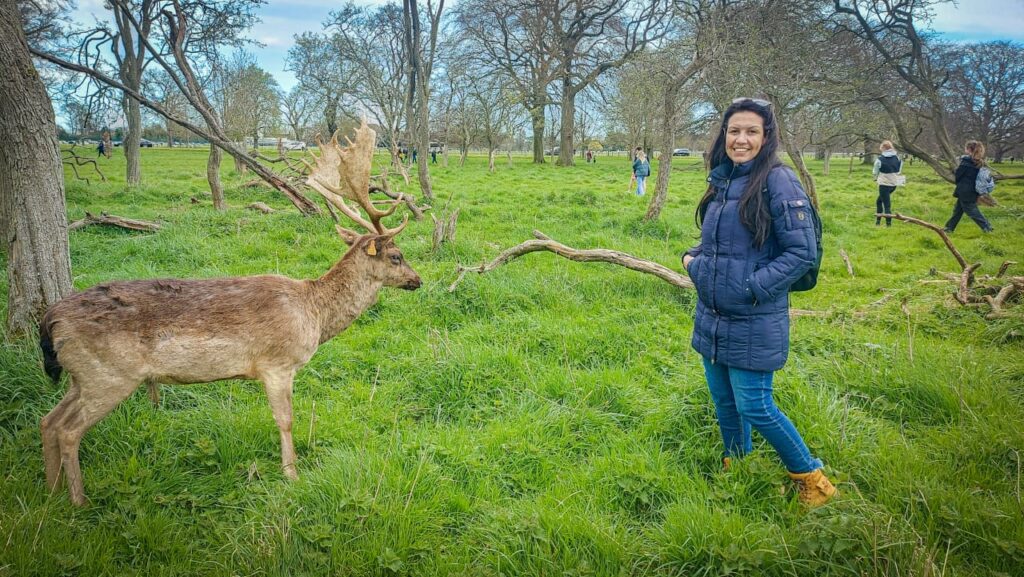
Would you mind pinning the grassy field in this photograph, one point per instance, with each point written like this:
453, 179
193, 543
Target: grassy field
548, 418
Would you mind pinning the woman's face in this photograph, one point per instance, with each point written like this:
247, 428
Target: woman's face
744, 136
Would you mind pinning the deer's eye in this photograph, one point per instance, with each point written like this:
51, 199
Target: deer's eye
396, 259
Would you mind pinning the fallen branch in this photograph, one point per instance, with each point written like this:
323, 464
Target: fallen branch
1002, 268
260, 207
111, 220
385, 189
938, 230
545, 243
963, 296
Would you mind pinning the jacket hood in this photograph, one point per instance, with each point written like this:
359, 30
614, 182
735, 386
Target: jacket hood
966, 160
888, 153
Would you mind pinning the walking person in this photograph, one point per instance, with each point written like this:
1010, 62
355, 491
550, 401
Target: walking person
887, 174
757, 238
965, 193
641, 170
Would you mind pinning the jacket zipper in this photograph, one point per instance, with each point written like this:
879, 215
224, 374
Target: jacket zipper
714, 268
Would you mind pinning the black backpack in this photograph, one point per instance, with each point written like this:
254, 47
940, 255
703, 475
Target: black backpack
810, 278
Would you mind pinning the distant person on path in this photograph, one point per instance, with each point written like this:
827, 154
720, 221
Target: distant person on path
414, 155
757, 239
641, 170
433, 156
100, 151
886, 172
590, 156
965, 193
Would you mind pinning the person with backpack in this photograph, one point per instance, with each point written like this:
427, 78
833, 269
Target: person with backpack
641, 170
887, 175
966, 191
759, 237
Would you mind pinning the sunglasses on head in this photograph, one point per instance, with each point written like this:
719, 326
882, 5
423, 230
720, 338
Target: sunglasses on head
758, 101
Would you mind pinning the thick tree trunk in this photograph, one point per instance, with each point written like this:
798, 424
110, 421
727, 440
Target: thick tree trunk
826, 167
565, 157
132, 137
32, 211
538, 121
490, 159
213, 177
668, 144
869, 154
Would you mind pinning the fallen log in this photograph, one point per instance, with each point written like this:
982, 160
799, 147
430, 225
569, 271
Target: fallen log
260, 207
112, 220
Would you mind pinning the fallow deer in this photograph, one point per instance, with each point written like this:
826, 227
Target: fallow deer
114, 336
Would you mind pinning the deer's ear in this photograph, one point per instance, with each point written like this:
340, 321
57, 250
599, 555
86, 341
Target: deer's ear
372, 248
346, 235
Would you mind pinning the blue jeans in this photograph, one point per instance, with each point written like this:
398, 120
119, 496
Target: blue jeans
641, 187
743, 399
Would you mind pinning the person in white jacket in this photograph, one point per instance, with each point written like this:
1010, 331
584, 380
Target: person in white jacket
887, 174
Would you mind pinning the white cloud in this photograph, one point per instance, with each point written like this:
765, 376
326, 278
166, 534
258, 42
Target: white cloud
981, 19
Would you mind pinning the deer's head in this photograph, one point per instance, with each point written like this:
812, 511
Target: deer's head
342, 173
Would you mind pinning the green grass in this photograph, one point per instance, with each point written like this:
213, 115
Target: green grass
548, 418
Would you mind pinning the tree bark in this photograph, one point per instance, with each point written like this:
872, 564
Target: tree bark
668, 144
32, 209
565, 157
213, 177
538, 121
132, 138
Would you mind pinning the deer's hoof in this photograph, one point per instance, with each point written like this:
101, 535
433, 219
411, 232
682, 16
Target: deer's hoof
291, 472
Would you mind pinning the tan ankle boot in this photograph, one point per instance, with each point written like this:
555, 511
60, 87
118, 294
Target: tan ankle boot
815, 488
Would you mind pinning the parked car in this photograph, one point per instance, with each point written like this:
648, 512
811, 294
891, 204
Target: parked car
681, 152
293, 145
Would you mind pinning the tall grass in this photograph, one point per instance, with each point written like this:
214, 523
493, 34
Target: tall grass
548, 418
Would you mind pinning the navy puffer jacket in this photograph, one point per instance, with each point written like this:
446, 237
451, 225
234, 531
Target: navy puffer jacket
743, 291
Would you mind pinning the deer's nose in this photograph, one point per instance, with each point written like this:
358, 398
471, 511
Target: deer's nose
413, 284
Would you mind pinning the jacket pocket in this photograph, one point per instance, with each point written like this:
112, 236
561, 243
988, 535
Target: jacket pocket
798, 214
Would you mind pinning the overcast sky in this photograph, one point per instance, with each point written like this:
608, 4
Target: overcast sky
969, 20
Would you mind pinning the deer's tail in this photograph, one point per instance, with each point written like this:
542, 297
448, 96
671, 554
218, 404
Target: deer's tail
50, 362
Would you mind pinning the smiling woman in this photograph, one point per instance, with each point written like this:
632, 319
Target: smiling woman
756, 239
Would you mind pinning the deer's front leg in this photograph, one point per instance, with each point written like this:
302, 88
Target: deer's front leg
278, 384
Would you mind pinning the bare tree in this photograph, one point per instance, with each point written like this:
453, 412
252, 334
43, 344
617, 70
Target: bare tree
590, 37
298, 107
511, 36
371, 42
32, 211
320, 66
186, 44
987, 86
422, 53
918, 111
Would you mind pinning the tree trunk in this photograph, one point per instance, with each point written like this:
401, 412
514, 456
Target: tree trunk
565, 157
798, 160
490, 159
869, 155
668, 144
331, 117
132, 137
538, 120
828, 161
32, 210
213, 177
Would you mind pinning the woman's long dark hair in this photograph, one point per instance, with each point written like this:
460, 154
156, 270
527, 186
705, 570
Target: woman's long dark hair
754, 211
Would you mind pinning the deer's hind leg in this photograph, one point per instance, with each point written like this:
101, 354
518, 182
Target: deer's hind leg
48, 428
153, 388
97, 397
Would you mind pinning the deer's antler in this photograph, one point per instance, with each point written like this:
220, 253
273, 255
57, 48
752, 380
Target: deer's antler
343, 172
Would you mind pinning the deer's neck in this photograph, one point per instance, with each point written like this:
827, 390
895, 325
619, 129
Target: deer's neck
340, 296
